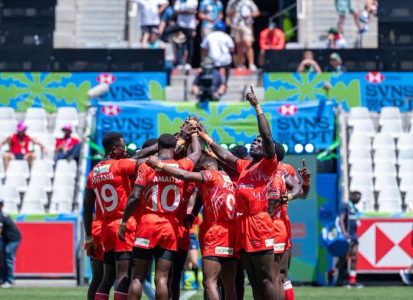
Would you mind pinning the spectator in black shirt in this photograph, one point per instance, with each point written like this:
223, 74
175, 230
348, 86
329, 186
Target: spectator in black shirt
11, 239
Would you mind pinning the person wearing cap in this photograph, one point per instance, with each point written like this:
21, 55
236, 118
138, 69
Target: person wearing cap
19, 146
209, 83
335, 39
210, 11
11, 237
271, 38
335, 63
218, 46
66, 146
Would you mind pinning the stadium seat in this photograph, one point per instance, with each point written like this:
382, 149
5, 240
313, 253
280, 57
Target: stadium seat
32, 208
406, 169
389, 199
35, 127
359, 140
392, 127
357, 113
42, 167
42, 181
67, 115
18, 167
383, 140
389, 205
405, 183
385, 181
364, 169
62, 193
63, 180
364, 126
17, 181
2, 171
35, 194
404, 155
66, 167
389, 113
361, 183
8, 127
405, 141
408, 200
359, 155
10, 207
61, 207
384, 167
7, 113
36, 113
385, 155
10, 194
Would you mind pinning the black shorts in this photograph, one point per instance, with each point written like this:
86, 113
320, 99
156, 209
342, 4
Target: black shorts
157, 252
263, 252
19, 156
220, 259
148, 28
110, 257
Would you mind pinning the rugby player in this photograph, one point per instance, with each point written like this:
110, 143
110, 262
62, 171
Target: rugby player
217, 231
156, 231
256, 233
109, 184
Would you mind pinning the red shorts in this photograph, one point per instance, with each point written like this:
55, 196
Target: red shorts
281, 236
183, 238
157, 231
217, 239
97, 238
110, 238
254, 233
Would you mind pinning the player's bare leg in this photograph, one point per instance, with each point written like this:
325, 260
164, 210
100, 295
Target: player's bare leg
162, 268
260, 269
228, 274
122, 276
287, 288
97, 275
109, 276
211, 270
176, 274
277, 275
140, 269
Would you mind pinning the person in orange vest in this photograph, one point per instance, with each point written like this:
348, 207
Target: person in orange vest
271, 38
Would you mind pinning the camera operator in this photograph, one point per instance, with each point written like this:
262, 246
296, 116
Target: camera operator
209, 85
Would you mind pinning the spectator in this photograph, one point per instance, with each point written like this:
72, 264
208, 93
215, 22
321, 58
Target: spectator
370, 10
210, 11
335, 39
19, 146
218, 46
154, 42
242, 14
271, 38
335, 64
406, 275
168, 17
308, 64
149, 16
67, 147
344, 7
208, 84
11, 239
186, 11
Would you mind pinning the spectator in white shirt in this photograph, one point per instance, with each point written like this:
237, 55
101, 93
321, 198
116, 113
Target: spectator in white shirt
218, 46
149, 16
186, 22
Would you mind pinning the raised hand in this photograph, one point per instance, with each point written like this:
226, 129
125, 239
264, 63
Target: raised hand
154, 162
305, 173
251, 98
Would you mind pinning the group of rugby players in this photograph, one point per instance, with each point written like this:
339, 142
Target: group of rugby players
141, 208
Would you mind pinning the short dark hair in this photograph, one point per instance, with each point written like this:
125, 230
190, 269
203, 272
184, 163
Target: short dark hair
208, 160
111, 139
149, 142
355, 193
279, 150
239, 151
167, 141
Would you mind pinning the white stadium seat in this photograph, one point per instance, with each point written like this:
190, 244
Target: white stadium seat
392, 127
385, 155
18, 167
384, 167
2, 171
7, 113
390, 200
389, 113
8, 127
61, 207
359, 155
357, 113
66, 167
406, 169
42, 167
10, 194
68, 115
35, 194
62, 193
41, 181
36, 113
32, 208
405, 141
383, 140
10, 207
35, 127
385, 181
364, 126
409, 199
390, 206
405, 183
359, 140
364, 169
361, 183
404, 155
17, 181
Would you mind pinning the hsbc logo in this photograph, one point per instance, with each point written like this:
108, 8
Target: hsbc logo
375, 77
111, 110
107, 78
288, 110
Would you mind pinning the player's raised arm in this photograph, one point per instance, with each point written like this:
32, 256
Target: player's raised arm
268, 146
88, 204
223, 154
294, 187
145, 152
156, 163
305, 175
196, 148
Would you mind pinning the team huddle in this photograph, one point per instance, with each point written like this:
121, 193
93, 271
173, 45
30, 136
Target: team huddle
141, 209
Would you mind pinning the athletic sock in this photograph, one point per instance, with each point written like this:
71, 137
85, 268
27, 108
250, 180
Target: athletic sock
120, 296
353, 276
100, 296
196, 276
288, 290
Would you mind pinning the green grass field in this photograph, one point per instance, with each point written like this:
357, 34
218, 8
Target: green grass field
302, 293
